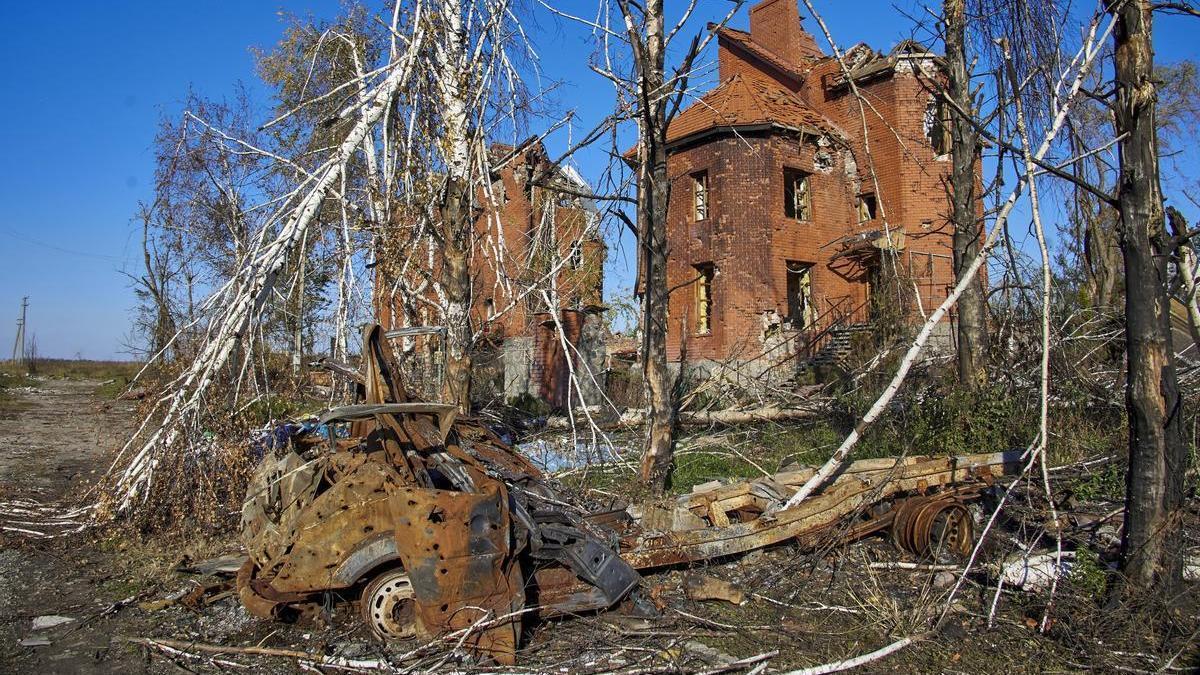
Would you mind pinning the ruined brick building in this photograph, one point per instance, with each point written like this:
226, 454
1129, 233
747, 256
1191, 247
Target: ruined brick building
781, 240
536, 248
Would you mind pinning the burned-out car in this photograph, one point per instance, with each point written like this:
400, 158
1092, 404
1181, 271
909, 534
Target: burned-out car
439, 526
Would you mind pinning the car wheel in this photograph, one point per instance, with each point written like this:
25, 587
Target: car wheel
388, 607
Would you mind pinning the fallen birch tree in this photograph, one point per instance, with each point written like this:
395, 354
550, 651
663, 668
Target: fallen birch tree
236, 304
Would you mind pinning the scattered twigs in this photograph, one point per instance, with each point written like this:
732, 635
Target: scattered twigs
178, 649
838, 666
193, 650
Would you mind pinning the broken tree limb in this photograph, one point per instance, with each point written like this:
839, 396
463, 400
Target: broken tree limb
761, 660
242, 297
1187, 267
914, 566
192, 649
1043, 434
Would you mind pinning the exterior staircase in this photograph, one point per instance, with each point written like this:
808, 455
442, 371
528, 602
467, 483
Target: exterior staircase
836, 345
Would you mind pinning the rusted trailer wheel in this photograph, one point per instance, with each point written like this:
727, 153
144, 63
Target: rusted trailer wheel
928, 526
388, 607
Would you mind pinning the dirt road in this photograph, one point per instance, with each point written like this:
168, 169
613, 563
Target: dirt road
56, 439
53, 440
58, 436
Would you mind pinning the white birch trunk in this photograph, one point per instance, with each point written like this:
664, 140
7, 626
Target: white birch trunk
250, 287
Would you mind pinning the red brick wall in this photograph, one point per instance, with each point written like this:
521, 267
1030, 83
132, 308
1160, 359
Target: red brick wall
911, 177
502, 241
748, 238
549, 373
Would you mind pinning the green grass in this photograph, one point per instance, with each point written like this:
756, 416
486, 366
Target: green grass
113, 387
12, 380
933, 420
732, 454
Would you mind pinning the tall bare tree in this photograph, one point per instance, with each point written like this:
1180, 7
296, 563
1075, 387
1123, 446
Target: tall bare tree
454, 94
647, 38
1152, 545
964, 148
655, 97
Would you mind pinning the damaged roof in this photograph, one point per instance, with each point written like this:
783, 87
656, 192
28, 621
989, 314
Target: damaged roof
863, 63
748, 102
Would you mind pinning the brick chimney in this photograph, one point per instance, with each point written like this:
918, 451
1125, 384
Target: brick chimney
775, 25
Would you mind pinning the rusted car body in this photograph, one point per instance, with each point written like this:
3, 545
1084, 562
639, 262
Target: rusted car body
439, 526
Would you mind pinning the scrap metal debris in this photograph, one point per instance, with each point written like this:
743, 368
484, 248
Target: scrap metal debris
705, 587
441, 528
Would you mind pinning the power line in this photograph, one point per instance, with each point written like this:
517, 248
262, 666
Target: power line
30, 240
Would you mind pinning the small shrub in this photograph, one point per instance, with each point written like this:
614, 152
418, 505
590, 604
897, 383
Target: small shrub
112, 388
1104, 484
268, 408
944, 419
1088, 574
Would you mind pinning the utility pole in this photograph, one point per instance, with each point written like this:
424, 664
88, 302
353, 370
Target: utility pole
18, 355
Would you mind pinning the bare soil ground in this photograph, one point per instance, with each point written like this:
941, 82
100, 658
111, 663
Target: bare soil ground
804, 609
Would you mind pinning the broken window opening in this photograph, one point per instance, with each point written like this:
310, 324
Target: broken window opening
802, 313
498, 192
796, 202
575, 258
704, 302
866, 207
700, 196
937, 126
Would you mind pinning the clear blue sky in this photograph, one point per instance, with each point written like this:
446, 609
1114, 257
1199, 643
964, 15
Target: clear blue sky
83, 86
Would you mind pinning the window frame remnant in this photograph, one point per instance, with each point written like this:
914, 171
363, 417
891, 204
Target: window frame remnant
700, 196
920, 265
575, 256
797, 195
705, 273
801, 311
867, 207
